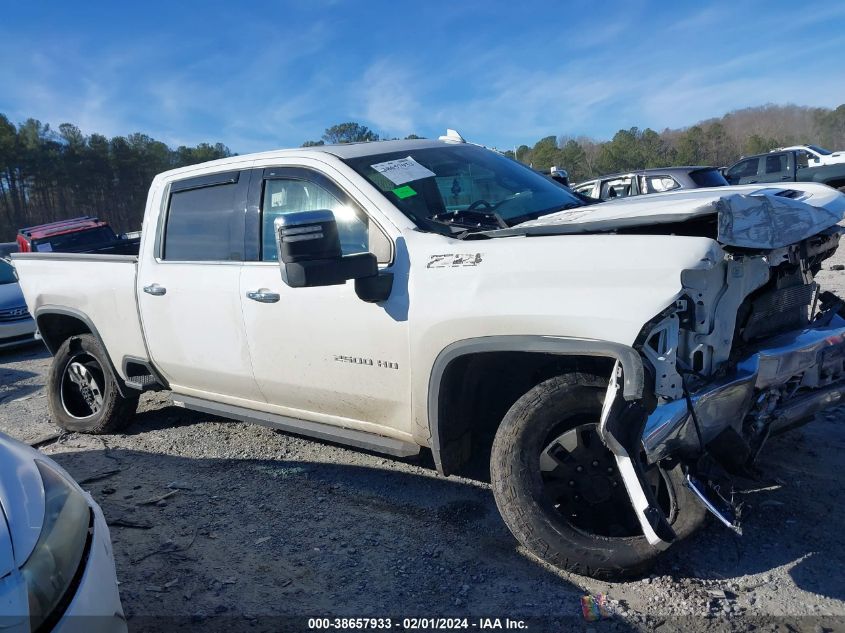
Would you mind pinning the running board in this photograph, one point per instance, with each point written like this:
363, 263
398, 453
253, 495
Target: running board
318, 430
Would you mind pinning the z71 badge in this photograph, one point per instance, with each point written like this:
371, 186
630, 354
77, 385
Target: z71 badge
454, 260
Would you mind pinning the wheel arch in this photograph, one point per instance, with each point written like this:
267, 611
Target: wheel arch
508, 366
56, 324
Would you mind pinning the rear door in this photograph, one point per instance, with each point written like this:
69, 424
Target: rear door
188, 289
322, 353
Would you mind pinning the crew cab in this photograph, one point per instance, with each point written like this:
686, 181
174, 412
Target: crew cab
615, 361
792, 165
77, 235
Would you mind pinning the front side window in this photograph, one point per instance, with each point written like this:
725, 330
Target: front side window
200, 223
285, 195
803, 159
459, 188
744, 169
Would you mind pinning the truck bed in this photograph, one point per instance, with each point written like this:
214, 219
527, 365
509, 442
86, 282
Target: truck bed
99, 289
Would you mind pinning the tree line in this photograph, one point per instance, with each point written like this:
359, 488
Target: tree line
48, 174
718, 142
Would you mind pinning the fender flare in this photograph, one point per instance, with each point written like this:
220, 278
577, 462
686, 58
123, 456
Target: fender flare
632, 365
85, 319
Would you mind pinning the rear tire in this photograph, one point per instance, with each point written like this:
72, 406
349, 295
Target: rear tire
584, 522
82, 391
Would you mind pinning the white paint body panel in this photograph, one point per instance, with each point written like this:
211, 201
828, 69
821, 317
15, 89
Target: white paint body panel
547, 286
102, 288
195, 331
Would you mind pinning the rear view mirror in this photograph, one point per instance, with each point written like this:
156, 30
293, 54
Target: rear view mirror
310, 254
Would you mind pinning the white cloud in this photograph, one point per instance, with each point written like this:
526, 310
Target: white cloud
387, 98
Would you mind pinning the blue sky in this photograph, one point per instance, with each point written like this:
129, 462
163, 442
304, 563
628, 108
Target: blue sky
262, 75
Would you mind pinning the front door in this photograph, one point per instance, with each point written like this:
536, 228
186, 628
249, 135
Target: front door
189, 290
322, 353
744, 172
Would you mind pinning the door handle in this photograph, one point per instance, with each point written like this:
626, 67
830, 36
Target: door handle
155, 290
263, 296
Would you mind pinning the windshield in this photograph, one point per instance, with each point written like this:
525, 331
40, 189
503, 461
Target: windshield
7, 273
454, 189
820, 150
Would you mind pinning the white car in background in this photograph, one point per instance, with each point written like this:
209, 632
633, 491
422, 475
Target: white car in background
17, 327
816, 155
56, 564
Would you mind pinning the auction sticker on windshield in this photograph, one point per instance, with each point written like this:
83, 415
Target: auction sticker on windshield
402, 170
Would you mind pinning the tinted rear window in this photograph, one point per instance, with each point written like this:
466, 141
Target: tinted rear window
708, 178
200, 224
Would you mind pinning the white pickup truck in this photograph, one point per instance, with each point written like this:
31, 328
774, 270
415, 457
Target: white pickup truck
620, 359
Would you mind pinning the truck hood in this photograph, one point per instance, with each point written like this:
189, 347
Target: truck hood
749, 216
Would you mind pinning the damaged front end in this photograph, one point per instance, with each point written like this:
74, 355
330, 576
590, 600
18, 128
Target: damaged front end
750, 347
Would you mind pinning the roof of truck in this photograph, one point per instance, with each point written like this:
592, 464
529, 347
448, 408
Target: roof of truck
342, 150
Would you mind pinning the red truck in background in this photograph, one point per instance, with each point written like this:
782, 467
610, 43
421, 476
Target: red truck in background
78, 235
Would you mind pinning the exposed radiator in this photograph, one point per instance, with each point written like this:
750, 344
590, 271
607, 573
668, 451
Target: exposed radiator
779, 310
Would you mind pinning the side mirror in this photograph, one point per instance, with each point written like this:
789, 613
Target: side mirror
560, 175
310, 255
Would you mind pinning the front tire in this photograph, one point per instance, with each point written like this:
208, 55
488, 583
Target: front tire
82, 391
560, 493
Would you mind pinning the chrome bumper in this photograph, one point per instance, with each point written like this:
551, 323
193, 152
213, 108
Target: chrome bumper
814, 356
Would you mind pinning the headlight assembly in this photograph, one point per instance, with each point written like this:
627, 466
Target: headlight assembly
50, 569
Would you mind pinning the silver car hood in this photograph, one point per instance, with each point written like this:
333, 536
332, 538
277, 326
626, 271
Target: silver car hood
22, 502
751, 216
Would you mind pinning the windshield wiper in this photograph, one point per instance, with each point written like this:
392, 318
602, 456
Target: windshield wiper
471, 219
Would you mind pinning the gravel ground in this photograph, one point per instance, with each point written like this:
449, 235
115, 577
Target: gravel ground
219, 524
